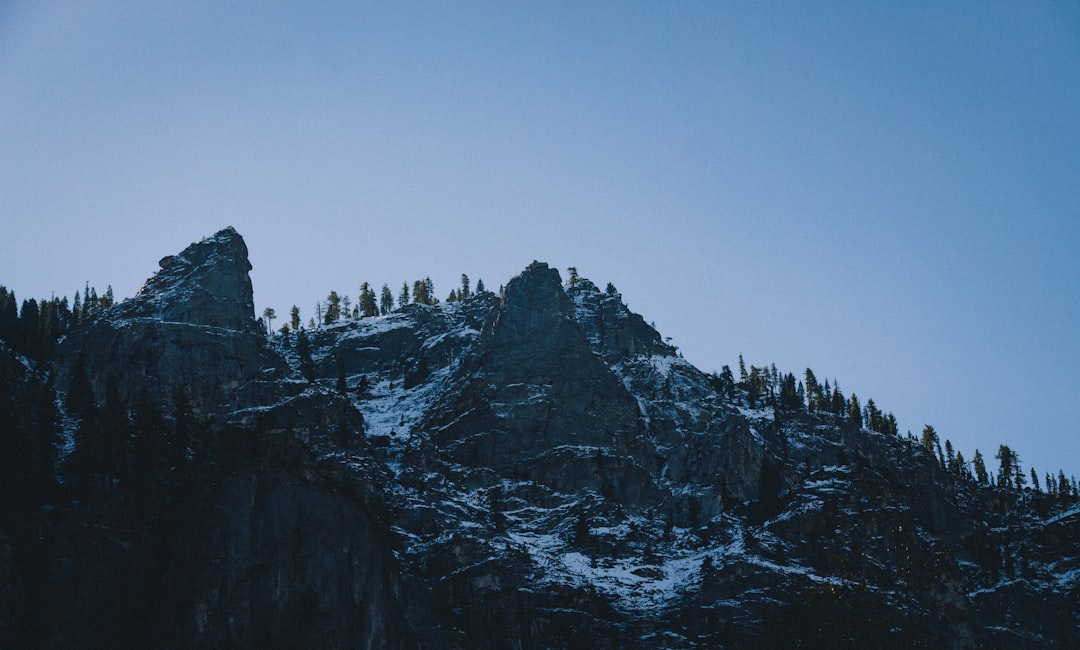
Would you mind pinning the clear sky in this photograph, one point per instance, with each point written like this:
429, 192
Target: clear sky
888, 193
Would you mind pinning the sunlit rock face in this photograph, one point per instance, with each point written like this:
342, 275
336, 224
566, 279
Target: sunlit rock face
530, 469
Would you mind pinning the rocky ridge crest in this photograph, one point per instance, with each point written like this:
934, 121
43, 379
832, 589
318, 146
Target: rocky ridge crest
531, 469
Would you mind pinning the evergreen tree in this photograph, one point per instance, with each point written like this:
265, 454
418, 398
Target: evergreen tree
429, 291
403, 295
1035, 480
368, 306
294, 318
453, 297
303, 350
419, 293
838, 400
29, 432
269, 315
28, 341
386, 301
981, 475
480, 286
1007, 467
572, 277
464, 293
814, 398
728, 382
855, 411
961, 466
743, 377
346, 308
789, 397
9, 316
753, 387
929, 438
76, 308
333, 308
874, 418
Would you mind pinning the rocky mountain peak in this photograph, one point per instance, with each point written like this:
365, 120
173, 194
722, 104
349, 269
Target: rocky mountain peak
206, 284
536, 296
536, 470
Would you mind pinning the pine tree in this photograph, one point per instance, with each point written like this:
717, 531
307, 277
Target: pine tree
814, 397
981, 475
403, 295
429, 291
303, 349
76, 309
838, 400
333, 308
269, 315
1007, 466
855, 411
572, 277
294, 318
961, 466
753, 387
464, 293
929, 438
789, 397
29, 330
386, 301
368, 306
1035, 480
743, 377
453, 297
480, 286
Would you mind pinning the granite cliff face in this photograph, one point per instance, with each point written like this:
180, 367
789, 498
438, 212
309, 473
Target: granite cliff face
525, 470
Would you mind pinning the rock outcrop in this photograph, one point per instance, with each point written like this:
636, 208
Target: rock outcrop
527, 470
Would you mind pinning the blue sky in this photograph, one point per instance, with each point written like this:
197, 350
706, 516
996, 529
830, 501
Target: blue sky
885, 192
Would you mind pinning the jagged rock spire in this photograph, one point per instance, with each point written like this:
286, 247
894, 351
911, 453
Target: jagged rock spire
206, 284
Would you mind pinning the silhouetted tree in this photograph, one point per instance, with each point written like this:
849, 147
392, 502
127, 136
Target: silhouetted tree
269, 315
981, 475
294, 318
386, 301
333, 308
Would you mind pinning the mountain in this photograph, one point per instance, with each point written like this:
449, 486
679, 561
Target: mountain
535, 469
